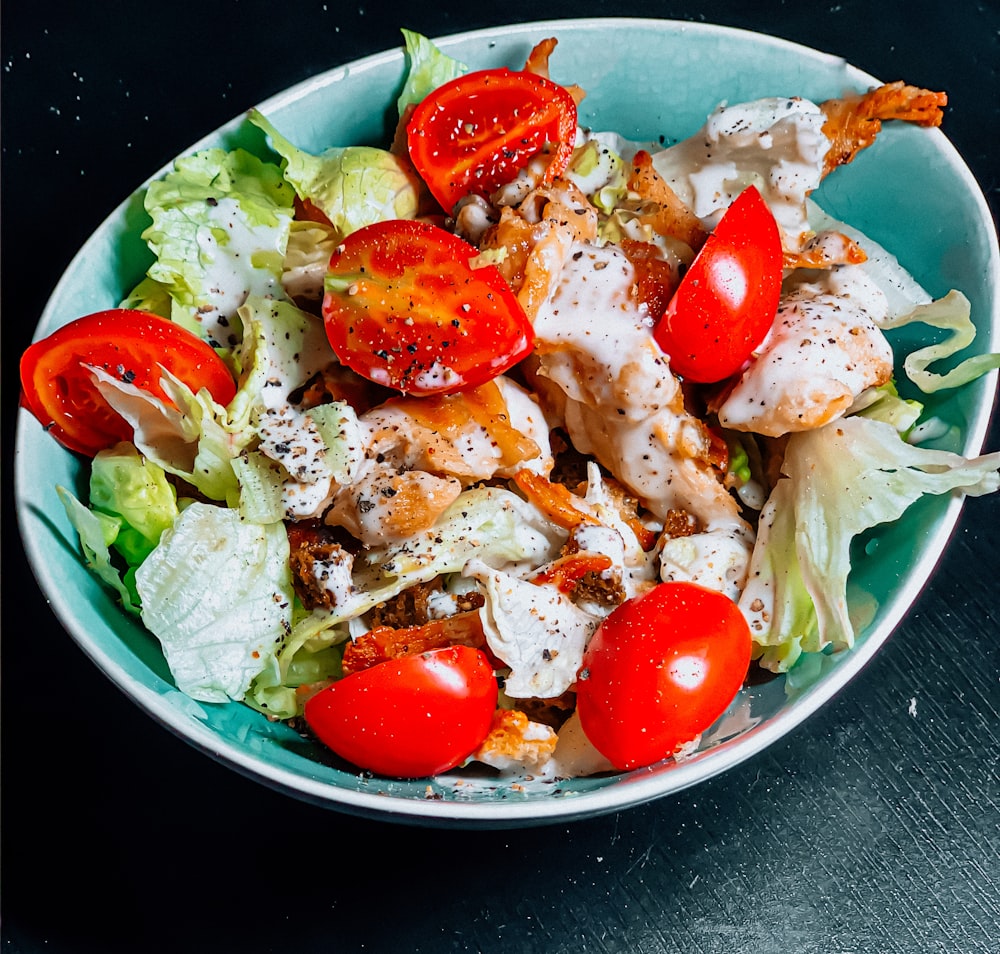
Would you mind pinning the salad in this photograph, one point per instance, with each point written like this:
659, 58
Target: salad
509, 442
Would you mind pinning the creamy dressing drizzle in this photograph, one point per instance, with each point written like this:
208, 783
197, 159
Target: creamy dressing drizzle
774, 143
231, 265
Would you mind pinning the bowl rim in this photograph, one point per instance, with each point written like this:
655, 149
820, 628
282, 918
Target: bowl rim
643, 785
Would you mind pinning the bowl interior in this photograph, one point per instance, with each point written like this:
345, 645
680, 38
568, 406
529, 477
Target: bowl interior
649, 80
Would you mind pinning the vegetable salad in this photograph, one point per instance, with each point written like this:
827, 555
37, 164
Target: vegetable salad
510, 441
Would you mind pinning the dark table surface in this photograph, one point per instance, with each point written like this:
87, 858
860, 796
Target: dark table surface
873, 827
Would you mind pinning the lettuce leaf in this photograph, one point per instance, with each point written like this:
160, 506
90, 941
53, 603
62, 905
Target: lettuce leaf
429, 69
188, 438
195, 438
98, 532
123, 484
353, 186
953, 315
220, 227
217, 593
838, 481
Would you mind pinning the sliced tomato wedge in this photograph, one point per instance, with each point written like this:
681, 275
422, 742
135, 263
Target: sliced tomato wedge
474, 133
405, 308
727, 300
132, 346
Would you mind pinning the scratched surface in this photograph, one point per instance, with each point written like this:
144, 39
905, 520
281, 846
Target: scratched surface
875, 827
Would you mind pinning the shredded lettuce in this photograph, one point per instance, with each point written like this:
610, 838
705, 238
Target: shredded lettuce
187, 438
195, 438
283, 348
310, 245
150, 295
839, 480
598, 170
217, 593
884, 404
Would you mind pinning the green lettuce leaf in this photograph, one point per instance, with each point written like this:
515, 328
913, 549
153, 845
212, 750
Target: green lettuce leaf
839, 480
98, 532
883, 403
353, 186
310, 245
196, 439
429, 69
220, 227
217, 593
123, 484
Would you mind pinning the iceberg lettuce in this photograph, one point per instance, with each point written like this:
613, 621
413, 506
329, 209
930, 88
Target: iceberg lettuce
123, 484
838, 481
195, 438
131, 505
217, 594
98, 532
953, 315
353, 186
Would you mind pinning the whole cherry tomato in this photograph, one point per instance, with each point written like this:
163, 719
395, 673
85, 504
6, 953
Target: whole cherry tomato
405, 308
727, 300
474, 133
660, 669
409, 717
129, 345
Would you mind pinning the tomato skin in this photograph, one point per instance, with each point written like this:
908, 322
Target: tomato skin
727, 300
410, 717
404, 308
659, 670
474, 133
130, 345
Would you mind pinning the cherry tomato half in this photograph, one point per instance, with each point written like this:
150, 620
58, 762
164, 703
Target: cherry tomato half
130, 345
474, 133
659, 670
410, 717
727, 300
404, 308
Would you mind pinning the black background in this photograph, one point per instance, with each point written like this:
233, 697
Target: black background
874, 827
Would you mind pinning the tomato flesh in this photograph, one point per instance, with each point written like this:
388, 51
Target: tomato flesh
474, 133
659, 670
410, 717
130, 345
404, 308
727, 300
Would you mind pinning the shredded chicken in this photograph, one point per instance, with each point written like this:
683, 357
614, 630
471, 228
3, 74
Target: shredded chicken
853, 122
662, 209
515, 742
384, 642
536, 237
538, 63
823, 350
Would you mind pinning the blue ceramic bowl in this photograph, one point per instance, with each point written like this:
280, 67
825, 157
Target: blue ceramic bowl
629, 69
